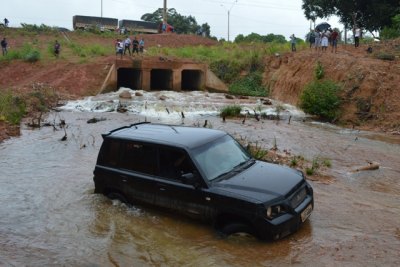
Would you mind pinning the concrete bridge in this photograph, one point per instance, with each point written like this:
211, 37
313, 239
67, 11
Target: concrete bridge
161, 74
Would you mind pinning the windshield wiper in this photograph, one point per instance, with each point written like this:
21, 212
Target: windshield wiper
221, 175
243, 164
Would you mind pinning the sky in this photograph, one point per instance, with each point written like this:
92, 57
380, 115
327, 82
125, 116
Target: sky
245, 16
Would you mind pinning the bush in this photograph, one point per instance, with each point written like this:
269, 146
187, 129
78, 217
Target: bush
227, 70
249, 85
231, 111
12, 108
321, 98
385, 56
32, 56
389, 33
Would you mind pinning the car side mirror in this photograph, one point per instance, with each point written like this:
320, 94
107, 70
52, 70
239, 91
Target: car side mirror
190, 178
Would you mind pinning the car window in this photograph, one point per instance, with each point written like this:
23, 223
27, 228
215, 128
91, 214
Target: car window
173, 163
220, 156
139, 157
110, 153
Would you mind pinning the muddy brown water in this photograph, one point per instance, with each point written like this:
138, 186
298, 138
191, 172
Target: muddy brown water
49, 215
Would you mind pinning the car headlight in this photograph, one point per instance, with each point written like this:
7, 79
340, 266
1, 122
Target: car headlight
274, 211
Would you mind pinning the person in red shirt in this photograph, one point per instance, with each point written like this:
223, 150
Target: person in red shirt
334, 40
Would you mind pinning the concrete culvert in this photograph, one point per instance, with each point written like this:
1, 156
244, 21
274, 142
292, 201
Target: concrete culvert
129, 78
192, 80
161, 79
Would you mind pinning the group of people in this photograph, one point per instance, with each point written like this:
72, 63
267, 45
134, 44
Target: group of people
121, 46
320, 40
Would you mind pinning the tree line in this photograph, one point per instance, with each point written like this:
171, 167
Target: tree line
382, 16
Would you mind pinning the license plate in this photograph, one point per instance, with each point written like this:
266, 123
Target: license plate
306, 213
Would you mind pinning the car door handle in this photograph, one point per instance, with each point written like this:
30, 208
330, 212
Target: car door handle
162, 187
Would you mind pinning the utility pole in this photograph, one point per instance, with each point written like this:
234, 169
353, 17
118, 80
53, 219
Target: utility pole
229, 14
165, 11
101, 8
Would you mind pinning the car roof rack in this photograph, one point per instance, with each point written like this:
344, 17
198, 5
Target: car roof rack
126, 127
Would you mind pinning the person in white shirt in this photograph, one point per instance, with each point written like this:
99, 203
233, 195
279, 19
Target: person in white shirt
127, 45
357, 36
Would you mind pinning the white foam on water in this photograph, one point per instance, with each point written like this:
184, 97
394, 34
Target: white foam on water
172, 105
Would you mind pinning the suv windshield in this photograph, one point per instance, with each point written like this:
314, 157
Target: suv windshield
220, 157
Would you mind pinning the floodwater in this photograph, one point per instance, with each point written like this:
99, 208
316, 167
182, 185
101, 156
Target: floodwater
49, 215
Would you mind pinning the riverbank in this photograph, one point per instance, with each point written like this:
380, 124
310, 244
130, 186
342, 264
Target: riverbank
370, 82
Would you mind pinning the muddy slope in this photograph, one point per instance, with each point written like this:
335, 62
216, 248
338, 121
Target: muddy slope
370, 85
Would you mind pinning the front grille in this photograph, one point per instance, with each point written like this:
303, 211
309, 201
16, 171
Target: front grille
298, 197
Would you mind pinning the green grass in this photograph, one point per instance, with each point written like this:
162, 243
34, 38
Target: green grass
28, 52
231, 111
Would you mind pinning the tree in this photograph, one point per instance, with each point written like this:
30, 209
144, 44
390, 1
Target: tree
182, 24
372, 15
255, 37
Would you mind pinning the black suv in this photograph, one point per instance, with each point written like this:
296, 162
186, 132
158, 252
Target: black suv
203, 173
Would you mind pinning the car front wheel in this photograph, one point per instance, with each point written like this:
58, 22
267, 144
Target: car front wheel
117, 196
236, 229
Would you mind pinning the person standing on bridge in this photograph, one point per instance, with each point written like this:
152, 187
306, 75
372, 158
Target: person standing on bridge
119, 48
127, 44
141, 45
135, 47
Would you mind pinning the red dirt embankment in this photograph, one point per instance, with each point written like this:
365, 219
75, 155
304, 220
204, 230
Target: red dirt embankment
371, 86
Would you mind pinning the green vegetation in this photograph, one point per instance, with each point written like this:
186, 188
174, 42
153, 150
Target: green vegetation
255, 37
256, 151
319, 71
33, 28
88, 50
12, 108
28, 53
251, 85
321, 98
316, 164
231, 111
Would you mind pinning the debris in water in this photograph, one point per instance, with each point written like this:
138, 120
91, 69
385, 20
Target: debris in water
371, 166
95, 120
64, 137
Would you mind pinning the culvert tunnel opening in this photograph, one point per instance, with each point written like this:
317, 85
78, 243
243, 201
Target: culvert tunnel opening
161, 79
192, 80
129, 78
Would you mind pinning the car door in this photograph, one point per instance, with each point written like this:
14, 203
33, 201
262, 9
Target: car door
136, 171
174, 193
